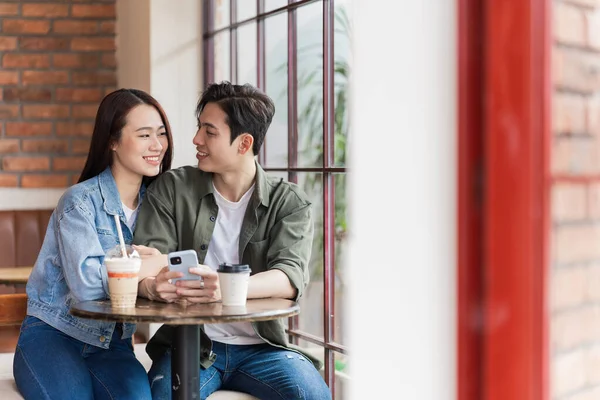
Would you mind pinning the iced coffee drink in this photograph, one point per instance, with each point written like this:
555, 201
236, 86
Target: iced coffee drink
122, 277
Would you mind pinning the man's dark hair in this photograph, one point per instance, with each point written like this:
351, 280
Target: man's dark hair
248, 109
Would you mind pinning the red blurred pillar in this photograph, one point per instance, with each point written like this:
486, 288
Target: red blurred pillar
503, 317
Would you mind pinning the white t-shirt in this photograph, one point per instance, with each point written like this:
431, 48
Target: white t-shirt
224, 248
130, 215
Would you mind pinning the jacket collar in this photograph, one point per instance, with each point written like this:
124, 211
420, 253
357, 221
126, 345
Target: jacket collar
110, 193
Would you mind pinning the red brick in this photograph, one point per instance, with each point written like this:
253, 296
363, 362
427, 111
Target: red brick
107, 27
7, 180
27, 94
577, 243
9, 77
46, 111
569, 113
9, 146
9, 9
8, 111
569, 202
75, 27
98, 78
84, 112
569, 25
68, 163
8, 43
25, 26
575, 327
93, 44
573, 156
45, 10
21, 60
53, 146
568, 373
25, 163
584, 3
28, 128
78, 95
93, 11
592, 280
576, 69
80, 146
74, 60
109, 60
74, 128
45, 77
568, 287
109, 90
44, 181
594, 201
44, 43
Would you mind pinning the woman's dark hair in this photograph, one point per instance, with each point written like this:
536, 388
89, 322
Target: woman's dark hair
110, 120
248, 109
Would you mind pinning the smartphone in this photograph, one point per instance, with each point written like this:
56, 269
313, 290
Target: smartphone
181, 261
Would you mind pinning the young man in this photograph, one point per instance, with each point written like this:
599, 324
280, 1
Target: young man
229, 210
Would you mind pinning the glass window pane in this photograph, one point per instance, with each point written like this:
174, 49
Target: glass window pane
276, 49
245, 9
341, 251
222, 57
310, 85
221, 14
342, 57
273, 4
246, 58
342, 379
311, 319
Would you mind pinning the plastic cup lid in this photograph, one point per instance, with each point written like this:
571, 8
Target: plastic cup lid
233, 268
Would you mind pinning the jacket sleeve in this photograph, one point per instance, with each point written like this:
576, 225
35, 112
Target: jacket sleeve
291, 246
81, 254
155, 226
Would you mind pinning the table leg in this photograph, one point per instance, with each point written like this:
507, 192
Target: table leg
185, 363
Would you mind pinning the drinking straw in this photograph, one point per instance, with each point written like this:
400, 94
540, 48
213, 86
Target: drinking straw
121, 240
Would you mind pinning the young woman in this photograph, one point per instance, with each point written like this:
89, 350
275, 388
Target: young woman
59, 356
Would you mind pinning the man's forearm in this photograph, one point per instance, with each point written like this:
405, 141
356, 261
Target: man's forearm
272, 283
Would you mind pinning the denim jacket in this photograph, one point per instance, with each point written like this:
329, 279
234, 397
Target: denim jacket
69, 267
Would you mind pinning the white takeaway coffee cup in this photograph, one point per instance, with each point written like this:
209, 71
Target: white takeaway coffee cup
233, 279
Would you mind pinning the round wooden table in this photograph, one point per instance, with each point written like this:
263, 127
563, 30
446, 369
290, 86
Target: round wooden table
185, 362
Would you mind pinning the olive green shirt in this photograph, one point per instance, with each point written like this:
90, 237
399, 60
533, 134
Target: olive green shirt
179, 213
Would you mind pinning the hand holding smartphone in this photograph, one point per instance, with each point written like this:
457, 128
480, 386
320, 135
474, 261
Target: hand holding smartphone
182, 261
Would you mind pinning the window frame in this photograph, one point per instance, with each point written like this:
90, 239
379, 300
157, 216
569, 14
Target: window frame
327, 170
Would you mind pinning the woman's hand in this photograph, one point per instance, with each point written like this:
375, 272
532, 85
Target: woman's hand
204, 290
145, 251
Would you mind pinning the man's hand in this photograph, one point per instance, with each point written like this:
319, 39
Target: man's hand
206, 290
160, 288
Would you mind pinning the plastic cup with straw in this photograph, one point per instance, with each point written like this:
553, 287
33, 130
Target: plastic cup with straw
122, 270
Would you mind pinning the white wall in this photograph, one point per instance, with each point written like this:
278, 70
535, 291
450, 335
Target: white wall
160, 51
403, 201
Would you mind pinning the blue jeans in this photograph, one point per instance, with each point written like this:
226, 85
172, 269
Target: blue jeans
261, 370
49, 364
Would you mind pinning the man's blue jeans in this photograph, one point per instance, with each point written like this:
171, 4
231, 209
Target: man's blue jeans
51, 365
261, 370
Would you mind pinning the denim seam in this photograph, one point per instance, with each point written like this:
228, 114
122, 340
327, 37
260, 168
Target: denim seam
102, 383
18, 348
208, 380
263, 383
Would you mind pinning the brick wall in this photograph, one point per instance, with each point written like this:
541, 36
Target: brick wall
57, 61
575, 270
